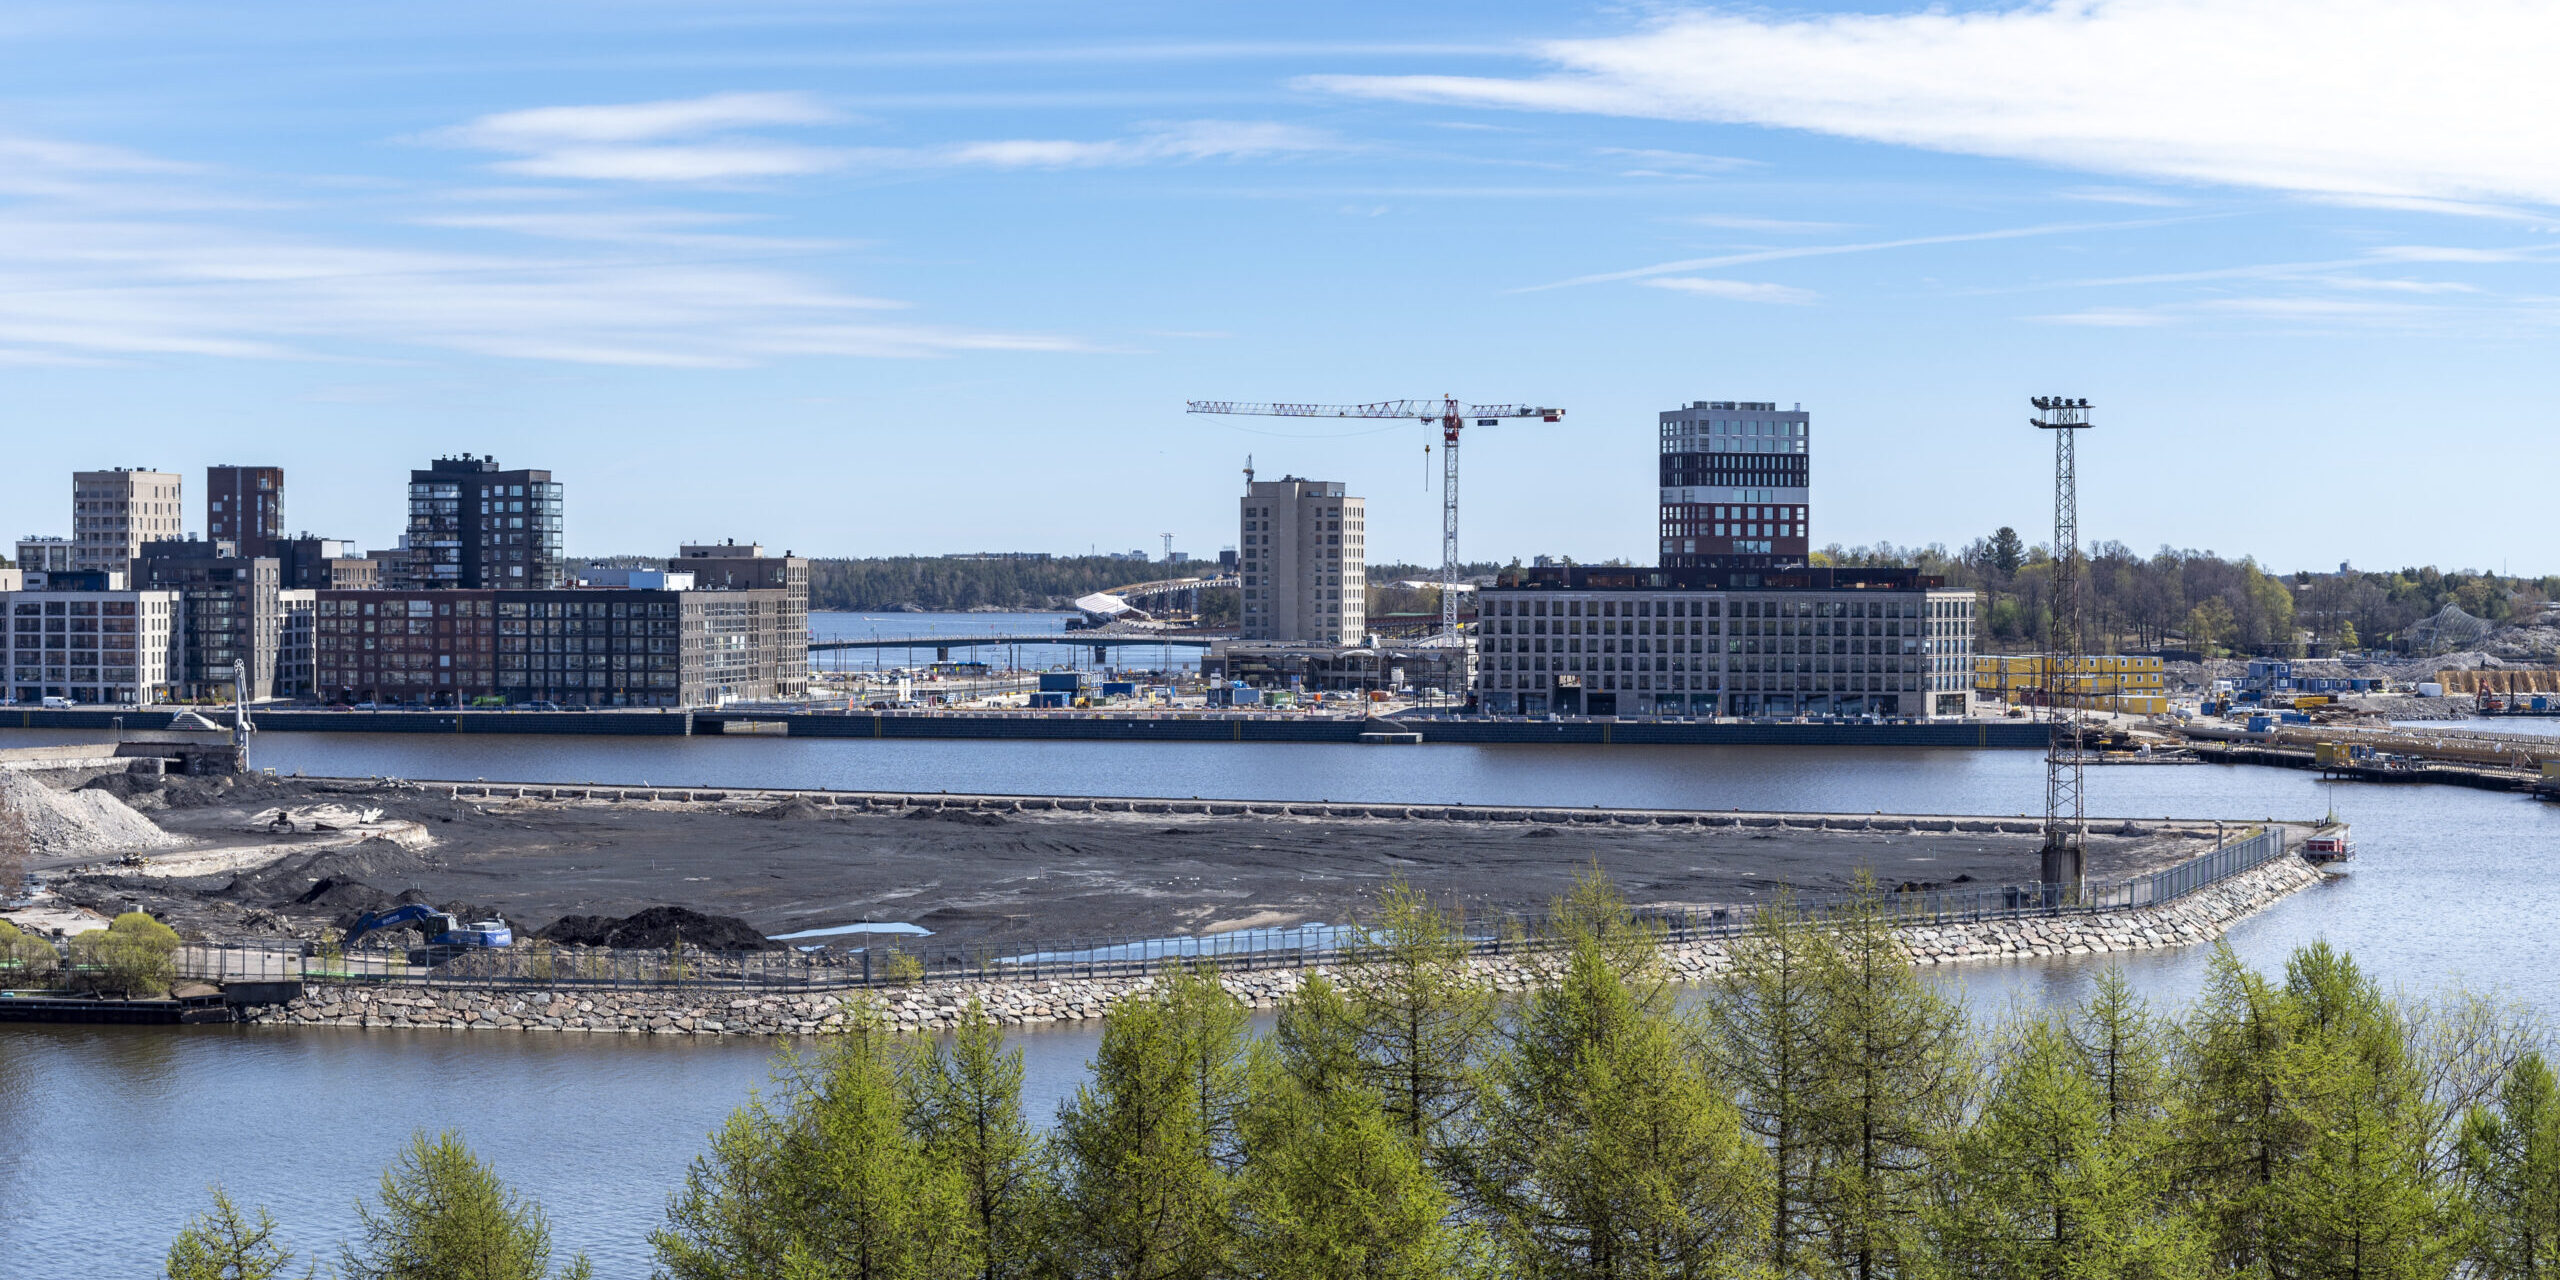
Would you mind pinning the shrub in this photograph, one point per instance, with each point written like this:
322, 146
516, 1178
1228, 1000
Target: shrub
26, 962
136, 955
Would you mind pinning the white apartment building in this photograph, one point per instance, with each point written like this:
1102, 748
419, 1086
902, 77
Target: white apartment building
38, 553
114, 512
1302, 562
1655, 651
89, 646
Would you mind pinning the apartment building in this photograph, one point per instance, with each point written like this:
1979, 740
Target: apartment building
576, 647
1804, 642
113, 513
39, 557
90, 646
244, 505
1735, 485
233, 613
475, 527
736, 566
297, 649
1301, 562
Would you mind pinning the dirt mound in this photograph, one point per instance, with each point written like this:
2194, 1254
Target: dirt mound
656, 929
140, 790
287, 881
795, 809
343, 899
80, 824
965, 817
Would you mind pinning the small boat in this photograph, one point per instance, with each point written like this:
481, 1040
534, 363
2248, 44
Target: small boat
2328, 845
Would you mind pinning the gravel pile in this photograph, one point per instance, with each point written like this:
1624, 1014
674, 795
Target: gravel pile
80, 824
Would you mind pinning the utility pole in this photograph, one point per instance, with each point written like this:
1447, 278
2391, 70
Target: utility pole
2066, 816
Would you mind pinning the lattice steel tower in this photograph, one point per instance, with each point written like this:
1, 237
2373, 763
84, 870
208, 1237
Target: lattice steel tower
2066, 817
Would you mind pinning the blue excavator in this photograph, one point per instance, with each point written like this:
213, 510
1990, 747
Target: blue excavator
443, 931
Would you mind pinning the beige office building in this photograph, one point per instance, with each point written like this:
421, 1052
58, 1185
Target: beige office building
114, 512
1301, 562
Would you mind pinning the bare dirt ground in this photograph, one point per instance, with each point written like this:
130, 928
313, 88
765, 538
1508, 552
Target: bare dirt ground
971, 877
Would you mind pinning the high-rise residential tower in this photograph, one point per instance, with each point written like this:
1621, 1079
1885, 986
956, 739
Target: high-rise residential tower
244, 505
474, 526
114, 512
1302, 562
1734, 485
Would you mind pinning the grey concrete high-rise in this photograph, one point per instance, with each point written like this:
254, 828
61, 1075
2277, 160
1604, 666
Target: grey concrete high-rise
1302, 562
113, 513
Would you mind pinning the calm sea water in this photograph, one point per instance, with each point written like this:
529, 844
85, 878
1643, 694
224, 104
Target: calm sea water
115, 1133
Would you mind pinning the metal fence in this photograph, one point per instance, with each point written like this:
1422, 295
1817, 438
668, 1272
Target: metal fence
885, 964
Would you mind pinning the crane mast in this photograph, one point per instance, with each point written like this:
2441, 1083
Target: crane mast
1446, 413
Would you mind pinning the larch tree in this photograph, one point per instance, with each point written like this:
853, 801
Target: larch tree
224, 1244
1142, 1194
442, 1213
1332, 1187
1764, 1022
966, 1108
1608, 1148
1890, 1083
1422, 1014
2510, 1155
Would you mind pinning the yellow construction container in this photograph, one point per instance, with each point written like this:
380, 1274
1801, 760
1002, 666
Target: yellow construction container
2328, 753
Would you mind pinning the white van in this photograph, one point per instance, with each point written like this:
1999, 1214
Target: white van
64, 703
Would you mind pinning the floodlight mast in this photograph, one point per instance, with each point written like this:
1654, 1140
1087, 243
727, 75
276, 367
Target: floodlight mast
2066, 816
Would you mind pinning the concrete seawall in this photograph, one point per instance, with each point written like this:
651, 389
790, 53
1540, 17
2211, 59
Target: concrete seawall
2196, 917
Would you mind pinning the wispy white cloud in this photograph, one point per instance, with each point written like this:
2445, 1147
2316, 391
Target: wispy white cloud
1830, 250
1652, 163
2367, 98
1735, 290
2297, 312
703, 140
1731, 222
101, 274
676, 140
1195, 140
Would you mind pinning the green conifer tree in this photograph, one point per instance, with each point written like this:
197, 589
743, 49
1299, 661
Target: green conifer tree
968, 1113
1332, 1189
834, 1185
442, 1213
2044, 1182
2233, 1130
1608, 1151
1890, 1084
1422, 1014
222, 1244
1142, 1193
1764, 1021
2511, 1176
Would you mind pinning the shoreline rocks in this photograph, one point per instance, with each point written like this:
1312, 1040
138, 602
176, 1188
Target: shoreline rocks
2201, 916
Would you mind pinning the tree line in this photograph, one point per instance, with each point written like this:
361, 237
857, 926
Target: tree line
1817, 1111
2198, 600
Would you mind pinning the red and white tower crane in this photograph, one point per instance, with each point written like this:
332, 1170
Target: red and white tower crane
1445, 412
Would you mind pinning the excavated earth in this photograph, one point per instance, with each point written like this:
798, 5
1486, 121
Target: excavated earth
979, 877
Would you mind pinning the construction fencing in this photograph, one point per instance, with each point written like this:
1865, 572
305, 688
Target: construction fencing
889, 963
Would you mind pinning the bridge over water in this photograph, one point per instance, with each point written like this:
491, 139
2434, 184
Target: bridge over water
1099, 640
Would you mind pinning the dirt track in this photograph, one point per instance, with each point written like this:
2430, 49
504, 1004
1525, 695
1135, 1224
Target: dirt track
1015, 877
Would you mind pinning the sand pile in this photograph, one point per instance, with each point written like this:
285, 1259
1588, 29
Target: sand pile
80, 824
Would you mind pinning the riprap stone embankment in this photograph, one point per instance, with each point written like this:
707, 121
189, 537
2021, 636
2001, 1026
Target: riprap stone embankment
2196, 917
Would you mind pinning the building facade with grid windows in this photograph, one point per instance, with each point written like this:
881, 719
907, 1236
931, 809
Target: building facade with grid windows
1808, 643
1736, 485
596, 648
90, 646
475, 527
1302, 562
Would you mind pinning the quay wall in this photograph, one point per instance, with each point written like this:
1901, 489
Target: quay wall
2196, 917
1197, 727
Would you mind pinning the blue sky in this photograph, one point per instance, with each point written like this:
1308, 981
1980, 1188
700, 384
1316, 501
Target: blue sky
906, 277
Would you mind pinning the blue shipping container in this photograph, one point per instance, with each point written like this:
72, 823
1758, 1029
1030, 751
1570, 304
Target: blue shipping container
1061, 681
1119, 688
1048, 699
